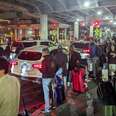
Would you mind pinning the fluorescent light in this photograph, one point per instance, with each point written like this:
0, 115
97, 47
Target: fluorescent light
106, 17
99, 13
87, 4
111, 21
114, 23
77, 20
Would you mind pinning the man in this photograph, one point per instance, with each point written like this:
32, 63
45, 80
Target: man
112, 58
48, 73
9, 91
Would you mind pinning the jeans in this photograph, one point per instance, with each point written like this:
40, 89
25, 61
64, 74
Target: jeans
45, 84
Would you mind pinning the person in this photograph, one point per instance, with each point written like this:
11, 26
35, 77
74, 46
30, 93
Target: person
7, 51
48, 74
19, 48
62, 61
93, 50
78, 75
73, 56
59, 88
9, 91
112, 57
1, 51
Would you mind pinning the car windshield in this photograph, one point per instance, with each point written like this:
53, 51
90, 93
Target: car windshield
28, 55
44, 43
47, 43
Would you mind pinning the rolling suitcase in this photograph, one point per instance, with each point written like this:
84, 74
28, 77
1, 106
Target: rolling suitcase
78, 80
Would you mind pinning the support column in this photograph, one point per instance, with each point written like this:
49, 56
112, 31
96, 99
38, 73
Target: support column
76, 30
44, 27
65, 33
57, 34
91, 31
16, 34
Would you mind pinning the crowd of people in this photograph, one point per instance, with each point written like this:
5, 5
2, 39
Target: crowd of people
56, 72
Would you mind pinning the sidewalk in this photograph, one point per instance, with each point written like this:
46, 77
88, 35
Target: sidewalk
76, 104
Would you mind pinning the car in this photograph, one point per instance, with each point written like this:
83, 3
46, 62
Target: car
83, 48
28, 62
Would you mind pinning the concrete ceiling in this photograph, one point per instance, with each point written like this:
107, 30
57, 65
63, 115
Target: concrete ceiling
63, 10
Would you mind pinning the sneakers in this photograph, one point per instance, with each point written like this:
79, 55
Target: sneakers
48, 111
52, 107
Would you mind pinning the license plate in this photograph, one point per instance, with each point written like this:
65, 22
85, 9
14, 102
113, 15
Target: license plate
26, 66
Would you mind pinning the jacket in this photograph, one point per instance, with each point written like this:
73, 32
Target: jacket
48, 70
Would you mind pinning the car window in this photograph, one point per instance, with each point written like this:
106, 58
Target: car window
28, 55
25, 44
81, 45
29, 44
44, 43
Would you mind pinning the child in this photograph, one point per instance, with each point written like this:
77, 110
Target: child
78, 75
59, 89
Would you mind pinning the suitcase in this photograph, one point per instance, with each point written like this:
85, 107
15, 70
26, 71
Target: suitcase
78, 80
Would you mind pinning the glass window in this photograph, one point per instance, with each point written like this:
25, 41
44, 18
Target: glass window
27, 55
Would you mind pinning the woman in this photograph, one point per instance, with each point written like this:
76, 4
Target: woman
112, 58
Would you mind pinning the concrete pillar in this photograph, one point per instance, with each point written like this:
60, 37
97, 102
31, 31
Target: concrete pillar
57, 34
76, 30
44, 27
91, 31
16, 34
65, 33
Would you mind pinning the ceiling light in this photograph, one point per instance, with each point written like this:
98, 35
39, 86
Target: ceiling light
106, 17
111, 21
77, 20
114, 23
99, 13
87, 4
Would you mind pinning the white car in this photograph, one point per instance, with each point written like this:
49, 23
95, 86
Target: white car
83, 48
28, 62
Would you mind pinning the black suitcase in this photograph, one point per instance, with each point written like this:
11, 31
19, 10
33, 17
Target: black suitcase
106, 93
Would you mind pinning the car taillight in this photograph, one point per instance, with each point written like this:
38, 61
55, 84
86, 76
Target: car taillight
86, 50
14, 63
37, 66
